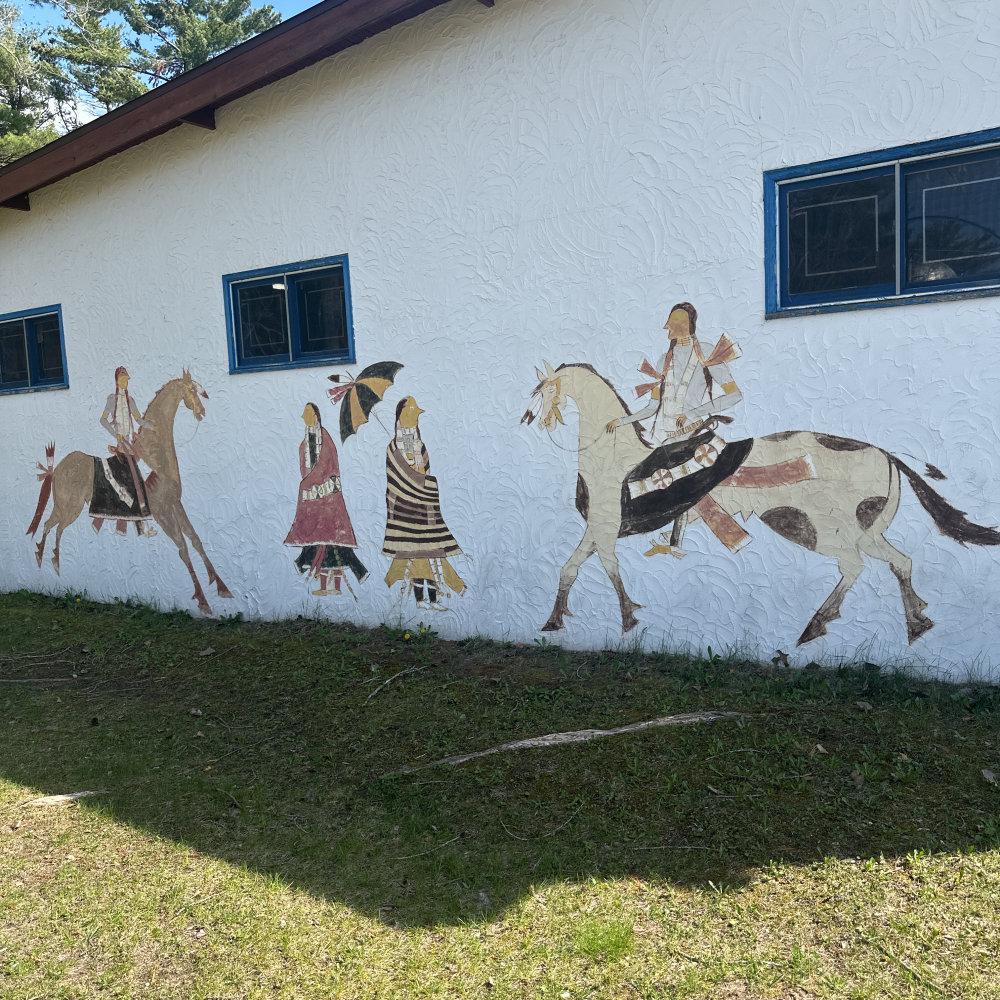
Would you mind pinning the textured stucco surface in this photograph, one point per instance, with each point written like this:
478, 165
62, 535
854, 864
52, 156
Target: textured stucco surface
537, 181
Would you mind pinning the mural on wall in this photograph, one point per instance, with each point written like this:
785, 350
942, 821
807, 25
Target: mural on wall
114, 487
119, 487
416, 536
829, 494
322, 527
357, 397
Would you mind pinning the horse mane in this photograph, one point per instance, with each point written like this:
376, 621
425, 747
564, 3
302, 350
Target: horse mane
156, 395
593, 371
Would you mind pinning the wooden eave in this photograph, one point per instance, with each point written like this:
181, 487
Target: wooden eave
194, 96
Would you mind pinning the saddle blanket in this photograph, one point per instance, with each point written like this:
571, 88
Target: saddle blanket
704, 457
115, 495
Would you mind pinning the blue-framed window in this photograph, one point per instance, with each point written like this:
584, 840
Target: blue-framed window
290, 316
909, 224
32, 352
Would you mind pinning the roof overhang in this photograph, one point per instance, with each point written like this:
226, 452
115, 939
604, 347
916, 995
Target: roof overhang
193, 97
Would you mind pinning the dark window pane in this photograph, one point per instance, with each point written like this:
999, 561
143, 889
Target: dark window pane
263, 320
322, 312
13, 354
841, 236
46, 332
953, 222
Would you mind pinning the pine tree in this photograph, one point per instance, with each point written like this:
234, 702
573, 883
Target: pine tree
110, 51
30, 103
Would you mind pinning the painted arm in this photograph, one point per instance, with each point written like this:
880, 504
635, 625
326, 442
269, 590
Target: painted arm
643, 414
137, 416
649, 410
726, 395
109, 409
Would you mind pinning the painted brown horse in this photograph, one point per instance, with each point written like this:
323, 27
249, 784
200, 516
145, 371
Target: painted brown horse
841, 510
71, 483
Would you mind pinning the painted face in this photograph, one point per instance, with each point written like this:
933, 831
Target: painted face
122, 381
552, 400
309, 415
410, 413
678, 325
193, 394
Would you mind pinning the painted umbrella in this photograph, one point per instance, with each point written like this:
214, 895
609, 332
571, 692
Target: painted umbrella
358, 398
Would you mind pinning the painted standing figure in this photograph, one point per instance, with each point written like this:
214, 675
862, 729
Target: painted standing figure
322, 526
120, 494
416, 536
689, 389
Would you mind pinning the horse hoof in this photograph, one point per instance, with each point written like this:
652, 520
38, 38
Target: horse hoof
55, 564
629, 624
223, 590
813, 630
551, 626
921, 626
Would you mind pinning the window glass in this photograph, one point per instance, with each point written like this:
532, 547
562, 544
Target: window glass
263, 320
291, 315
953, 222
841, 236
13, 355
908, 224
321, 313
31, 350
50, 362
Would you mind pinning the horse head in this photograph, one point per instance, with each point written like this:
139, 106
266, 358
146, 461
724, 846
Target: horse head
547, 398
193, 395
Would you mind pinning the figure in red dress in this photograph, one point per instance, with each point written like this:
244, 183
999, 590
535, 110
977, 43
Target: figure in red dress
322, 526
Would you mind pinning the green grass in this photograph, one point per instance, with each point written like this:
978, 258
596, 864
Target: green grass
252, 841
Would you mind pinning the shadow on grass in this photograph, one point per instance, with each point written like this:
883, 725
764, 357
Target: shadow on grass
273, 746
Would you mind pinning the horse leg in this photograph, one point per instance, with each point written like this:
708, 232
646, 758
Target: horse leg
40, 547
567, 577
609, 560
55, 548
917, 623
66, 509
175, 533
213, 576
851, 564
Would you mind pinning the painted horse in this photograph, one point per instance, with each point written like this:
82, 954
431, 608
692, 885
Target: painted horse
71, 483
841, 509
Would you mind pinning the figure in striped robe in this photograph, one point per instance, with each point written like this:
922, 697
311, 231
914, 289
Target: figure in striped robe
416, 536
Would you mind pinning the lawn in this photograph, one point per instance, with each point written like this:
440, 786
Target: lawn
270, 821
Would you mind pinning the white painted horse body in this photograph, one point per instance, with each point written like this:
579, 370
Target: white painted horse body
842, 512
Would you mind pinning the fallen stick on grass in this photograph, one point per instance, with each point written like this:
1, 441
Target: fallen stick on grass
37, 680
576, 736
58, 800
386, 683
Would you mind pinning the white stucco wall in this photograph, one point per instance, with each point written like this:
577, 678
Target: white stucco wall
537, 181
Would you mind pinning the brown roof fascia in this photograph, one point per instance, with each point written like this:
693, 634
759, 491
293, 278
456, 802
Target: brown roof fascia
192, 97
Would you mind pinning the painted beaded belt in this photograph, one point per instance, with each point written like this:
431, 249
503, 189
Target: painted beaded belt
704, 458
332, 485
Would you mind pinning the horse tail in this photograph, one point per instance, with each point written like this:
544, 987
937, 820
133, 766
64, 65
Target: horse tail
45, 475
950, 521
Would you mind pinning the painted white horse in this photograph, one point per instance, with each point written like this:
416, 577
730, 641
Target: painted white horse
841, 510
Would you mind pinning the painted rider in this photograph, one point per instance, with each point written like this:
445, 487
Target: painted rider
688, 390
122, 420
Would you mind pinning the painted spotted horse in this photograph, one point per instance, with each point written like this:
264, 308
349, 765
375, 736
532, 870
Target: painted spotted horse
840, 508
